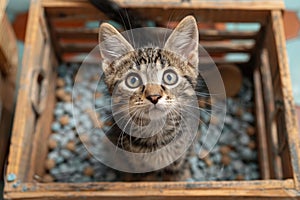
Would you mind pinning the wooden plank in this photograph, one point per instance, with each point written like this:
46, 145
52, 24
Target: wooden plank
164, 12
45, 119
196, 4
205, 35
8, 72
24, 120
165, 190
269, 104
132, 186
207, 4
280, 194
210, 48
261, 128
286, 89
7, 100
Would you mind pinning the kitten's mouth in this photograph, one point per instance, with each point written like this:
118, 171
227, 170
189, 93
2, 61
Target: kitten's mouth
157, 111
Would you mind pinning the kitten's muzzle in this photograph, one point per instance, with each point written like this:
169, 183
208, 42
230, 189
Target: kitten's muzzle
153, 92
153, 98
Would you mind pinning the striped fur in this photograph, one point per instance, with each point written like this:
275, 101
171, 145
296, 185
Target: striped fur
151, 63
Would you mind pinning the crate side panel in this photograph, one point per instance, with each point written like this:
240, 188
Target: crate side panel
44, 120
24, 121
284, 98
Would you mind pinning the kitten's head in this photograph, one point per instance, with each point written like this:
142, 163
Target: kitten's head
151, 82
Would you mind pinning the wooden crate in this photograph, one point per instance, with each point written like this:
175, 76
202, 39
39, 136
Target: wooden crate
8, 66
48, 42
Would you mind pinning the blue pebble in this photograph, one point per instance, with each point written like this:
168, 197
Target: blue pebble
247, 154
72, 123
69, 89
68, 80
68, 107
55, 127
11, 177
58, 112
59, 104
16, 184
24, 188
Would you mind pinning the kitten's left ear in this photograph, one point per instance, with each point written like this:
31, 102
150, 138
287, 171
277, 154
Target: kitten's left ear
112, 44
184, 40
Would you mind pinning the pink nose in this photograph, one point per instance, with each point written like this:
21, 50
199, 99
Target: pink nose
153, 98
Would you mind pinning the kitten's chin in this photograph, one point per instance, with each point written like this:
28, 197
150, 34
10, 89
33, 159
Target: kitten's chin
157, 112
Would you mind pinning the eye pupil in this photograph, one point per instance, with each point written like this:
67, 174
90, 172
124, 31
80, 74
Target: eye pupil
169, 77
133, 80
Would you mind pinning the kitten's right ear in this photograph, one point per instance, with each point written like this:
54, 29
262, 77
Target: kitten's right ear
112, 44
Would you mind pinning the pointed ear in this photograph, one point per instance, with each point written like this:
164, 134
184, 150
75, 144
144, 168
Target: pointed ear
184, 40
112, 44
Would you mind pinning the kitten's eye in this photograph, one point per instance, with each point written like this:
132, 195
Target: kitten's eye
170, 77
133, 80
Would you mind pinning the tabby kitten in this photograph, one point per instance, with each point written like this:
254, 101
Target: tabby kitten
150, 88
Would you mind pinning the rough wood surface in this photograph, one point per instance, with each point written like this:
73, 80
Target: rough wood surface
260, 127
290, 117
206, 4
205, 35
8, 67
162, 11
24, 121
164, 190
269, 105
47, 101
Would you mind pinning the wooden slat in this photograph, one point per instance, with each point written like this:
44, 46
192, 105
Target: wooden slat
205, 35
208, 194
261, 128
204, 4
45, 119
269, 104
8, 72
280, 55
24, 121
207, 4
163, 190
210, 48
132, 186
165, 11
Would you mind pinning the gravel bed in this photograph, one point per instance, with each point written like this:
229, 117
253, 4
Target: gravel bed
234, 156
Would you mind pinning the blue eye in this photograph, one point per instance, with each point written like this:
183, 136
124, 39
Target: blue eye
133, 80
170, 77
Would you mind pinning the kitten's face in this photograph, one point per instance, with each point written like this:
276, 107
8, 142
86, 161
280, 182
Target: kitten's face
152, 90
151, 83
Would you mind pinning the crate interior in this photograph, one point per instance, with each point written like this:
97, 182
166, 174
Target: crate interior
72, 32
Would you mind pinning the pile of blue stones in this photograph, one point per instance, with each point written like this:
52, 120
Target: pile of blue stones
233, 157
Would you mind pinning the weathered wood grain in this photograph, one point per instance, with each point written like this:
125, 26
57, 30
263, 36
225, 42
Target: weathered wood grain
8, 72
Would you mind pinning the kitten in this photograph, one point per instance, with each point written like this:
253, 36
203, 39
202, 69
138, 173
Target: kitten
151, 89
